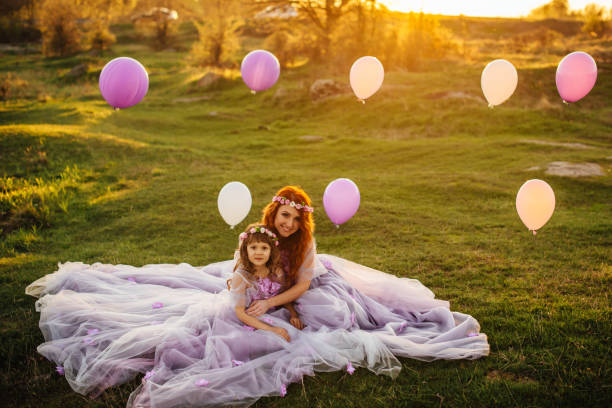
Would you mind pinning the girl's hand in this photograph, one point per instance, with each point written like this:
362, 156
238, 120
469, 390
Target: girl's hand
296, 322
258, 308
281, 332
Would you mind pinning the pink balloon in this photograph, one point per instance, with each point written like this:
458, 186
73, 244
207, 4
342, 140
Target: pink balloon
260, 70
576, 75
341, 200
123, 82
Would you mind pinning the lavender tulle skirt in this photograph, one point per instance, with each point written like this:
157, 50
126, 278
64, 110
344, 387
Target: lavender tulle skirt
106, 324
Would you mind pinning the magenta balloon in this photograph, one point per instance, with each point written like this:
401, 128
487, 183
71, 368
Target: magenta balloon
341, 200
123, 82
260, 70
576, 75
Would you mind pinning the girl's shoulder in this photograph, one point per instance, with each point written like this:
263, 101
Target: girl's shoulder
242, 274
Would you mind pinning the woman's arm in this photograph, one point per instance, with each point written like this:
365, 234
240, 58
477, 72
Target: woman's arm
295, 318
258, 324
291, 309
259, 307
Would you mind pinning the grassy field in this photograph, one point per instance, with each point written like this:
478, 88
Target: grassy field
438, 177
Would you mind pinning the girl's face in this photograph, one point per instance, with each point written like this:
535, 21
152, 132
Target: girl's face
287, 220
259, 253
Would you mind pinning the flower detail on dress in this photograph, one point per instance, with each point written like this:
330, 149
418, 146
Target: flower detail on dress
201, 383
283, 390
248, 328
472, 334
148, 375
352, 318
237, 363
326, 263
157, 305
89, 341
131, 279
60, 370
402, 326
266, 288
349, 368
268, 320
91, 332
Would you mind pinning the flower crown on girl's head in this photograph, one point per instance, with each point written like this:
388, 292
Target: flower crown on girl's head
285, 201
261, 230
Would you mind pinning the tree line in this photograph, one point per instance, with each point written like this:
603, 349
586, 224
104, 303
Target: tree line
324, 30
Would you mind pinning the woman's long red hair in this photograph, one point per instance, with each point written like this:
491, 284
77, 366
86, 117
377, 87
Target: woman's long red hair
297, 243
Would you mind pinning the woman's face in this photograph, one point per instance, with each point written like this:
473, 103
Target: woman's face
287, 220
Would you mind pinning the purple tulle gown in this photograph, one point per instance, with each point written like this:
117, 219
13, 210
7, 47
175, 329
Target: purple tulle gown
176, 324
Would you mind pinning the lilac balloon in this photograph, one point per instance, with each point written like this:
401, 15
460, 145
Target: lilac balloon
260, 70
123, 82
576, 75
341, 200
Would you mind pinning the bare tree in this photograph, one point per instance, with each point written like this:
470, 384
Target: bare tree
325, 15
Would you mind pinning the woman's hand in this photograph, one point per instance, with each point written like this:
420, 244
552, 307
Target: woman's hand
281, 332
258, 308
296, 322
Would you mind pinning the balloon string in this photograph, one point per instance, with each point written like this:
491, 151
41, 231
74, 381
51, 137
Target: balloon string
361, 100
337, 226
253, 92
232, 226
115, 108
534, 232
491, 106
565, 102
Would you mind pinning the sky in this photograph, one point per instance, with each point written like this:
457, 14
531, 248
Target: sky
483, 8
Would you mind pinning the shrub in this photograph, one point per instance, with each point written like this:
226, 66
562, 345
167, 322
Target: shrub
595, 23
58, 24
421, 39
100, 38
284, 46
11, 86
216, 46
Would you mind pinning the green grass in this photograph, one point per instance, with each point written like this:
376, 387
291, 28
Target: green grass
438, 179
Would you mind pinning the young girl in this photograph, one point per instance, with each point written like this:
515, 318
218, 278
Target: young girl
258, 275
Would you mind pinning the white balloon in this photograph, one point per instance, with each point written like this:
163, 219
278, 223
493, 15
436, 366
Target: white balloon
498, 81
234, 202
366, 77
535, 203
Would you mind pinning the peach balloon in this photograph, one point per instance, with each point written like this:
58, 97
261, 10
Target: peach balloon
535, 204
366, 77
498, 81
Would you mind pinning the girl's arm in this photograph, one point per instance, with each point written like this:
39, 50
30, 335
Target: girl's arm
259, 307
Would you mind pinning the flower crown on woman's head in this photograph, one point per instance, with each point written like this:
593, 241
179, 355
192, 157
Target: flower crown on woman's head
286, 201
261, 230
